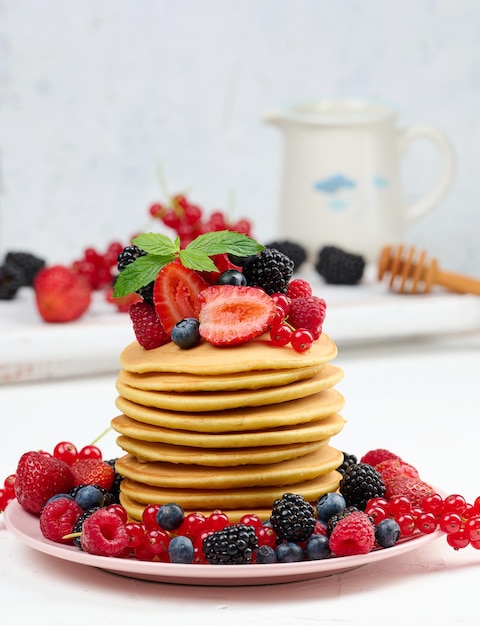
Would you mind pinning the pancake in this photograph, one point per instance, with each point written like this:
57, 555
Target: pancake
206, 359
174, 475
169, 381
315, 430
135, 510
222, 400
247, 498
214, 457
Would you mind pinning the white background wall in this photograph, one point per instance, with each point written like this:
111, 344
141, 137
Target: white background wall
96, 96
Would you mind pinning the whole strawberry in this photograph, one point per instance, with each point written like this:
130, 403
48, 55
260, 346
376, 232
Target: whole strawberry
61, 294
414, 489
38, 478
93, 472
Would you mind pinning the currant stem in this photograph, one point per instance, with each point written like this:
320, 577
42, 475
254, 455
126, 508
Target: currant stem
105, 432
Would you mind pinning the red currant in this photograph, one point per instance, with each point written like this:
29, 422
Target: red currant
251, 520
433, 504
458, 540
156, 540
90, 452
472, 528
407, 524
450, 523
301, 340
65, 451
281, 335
9, 484
399, 506
119, 510
192, 524
135, 532
426, 523
282, 301
149, 516
454, 503
216, 521
266, 536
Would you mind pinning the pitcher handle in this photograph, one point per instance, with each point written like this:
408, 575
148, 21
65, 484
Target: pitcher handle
421, 206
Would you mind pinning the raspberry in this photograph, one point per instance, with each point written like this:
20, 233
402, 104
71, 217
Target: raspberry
298, 288
374, 457
58, 519
339, 267
395, 467
354, 534
270, 270
308, 312
233, 544
148, 330
360, 483
292, 518
104, 534
293, 250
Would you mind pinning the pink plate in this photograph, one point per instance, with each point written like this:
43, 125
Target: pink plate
26, 528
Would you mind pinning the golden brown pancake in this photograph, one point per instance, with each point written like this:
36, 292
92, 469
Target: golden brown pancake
315, 430
146, 451
174, 475
205, 359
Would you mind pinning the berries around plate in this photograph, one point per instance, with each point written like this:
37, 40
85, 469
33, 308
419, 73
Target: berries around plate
232, 315
61, 294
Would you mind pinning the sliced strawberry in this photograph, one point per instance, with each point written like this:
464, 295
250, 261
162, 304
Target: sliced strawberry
175, 294
231, 315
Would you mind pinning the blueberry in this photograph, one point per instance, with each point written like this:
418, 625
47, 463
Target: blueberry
185, 333
317, 548
266, 554
89, 496
387, 533
232, 277
289, 552
59, 495
170, 516
330, 504
181, 550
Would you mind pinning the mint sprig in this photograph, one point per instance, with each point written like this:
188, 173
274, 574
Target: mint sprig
196, 255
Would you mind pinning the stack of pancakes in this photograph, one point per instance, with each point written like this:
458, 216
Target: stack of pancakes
227, 428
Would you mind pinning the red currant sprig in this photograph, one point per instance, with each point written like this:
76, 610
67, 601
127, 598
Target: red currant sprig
282, 333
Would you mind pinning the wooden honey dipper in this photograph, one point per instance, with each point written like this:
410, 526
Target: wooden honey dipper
417, 274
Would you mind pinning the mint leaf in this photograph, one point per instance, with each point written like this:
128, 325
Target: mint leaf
157, 244
139, 273
197, 260
225, 242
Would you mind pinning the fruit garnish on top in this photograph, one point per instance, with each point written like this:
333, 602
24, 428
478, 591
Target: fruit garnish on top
223, 287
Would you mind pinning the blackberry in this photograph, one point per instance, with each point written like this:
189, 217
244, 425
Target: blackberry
361, 482
270, 270
333, 521
339, 267
79, 524
348, 459
128, 255
292, 518
117, 481
11, 279
293, 250
233, 544
27, 264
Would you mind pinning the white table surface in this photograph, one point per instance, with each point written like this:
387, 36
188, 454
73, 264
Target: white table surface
419, 399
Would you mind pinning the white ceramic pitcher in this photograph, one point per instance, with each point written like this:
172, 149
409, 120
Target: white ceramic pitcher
341, 175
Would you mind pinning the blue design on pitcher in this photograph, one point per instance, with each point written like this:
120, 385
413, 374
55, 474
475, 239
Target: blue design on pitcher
380, 182
334, 183
337, 204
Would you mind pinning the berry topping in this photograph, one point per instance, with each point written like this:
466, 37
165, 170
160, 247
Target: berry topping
175, 294
185, 334
360, 483
298, 288
292, 518
148, 330
61, 294
308, 312
232, 315
38, 478
354, 534
339, 267
233, 544
270, 270
104, 534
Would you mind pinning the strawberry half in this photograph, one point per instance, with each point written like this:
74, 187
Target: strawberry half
175, 294
61, 294
38, 478
231, 315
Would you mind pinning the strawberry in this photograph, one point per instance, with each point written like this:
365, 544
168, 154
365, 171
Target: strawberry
376, 456
122, 304
231, 315
413, 488
61, 294
223, 263
391, 468
148, 330
93, 472
38, 478
175, 294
